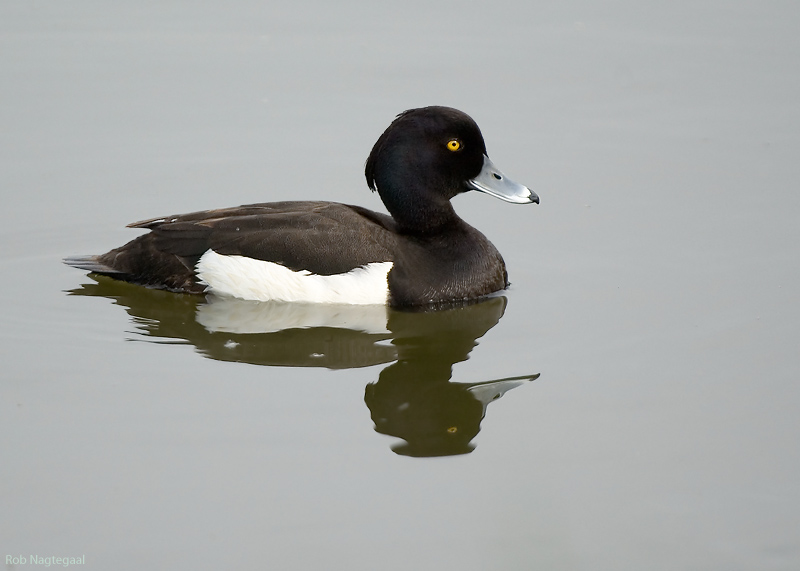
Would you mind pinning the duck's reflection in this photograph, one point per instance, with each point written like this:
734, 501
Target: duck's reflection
413, 399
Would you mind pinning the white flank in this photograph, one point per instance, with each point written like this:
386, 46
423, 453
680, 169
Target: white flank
256, 280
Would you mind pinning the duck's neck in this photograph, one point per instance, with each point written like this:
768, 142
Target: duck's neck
418, 211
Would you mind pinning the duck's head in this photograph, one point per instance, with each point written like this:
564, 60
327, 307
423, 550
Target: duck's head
426, 157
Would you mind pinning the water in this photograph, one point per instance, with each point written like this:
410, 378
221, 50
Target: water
653, 290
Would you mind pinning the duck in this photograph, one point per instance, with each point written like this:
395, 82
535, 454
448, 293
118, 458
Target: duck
420, 254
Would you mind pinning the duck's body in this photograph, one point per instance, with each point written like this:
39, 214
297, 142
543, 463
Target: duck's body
336, 253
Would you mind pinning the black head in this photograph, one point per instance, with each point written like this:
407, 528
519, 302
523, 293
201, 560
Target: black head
425, 158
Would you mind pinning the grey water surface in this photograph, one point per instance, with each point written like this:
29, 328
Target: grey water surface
631, 402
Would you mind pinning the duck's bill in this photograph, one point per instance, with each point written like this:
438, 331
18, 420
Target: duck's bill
491, 180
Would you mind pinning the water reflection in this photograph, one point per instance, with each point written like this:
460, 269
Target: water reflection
413, 399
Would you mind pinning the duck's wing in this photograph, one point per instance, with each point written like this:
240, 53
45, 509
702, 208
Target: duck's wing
320, 237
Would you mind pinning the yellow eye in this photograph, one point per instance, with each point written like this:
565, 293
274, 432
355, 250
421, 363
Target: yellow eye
454, 144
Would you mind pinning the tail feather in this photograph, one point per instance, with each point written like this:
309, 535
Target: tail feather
91, 264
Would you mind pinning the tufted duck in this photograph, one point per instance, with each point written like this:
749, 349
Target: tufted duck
336, 253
